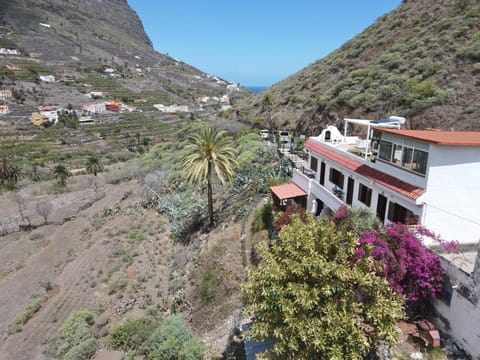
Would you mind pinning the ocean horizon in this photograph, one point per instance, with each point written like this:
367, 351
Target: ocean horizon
256, 89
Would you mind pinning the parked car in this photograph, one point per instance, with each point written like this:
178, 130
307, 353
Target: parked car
265, 134
284, 136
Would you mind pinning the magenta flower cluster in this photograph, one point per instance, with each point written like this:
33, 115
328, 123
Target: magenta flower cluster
409, 266
340, 214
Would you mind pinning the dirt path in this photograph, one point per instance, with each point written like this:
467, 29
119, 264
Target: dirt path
248, 229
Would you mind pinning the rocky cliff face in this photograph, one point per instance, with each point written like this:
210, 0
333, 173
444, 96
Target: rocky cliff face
421, 61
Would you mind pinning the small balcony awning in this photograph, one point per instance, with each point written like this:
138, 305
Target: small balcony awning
287, 191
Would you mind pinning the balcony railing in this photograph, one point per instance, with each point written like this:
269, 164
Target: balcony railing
311, 186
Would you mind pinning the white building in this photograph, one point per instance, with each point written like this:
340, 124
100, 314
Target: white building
95, 108
422, 176
232, 88
5, 51
50, 112
5, 94
172, 109
47, 78
401, 175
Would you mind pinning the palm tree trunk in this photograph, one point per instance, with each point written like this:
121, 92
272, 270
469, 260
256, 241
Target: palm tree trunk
210, 194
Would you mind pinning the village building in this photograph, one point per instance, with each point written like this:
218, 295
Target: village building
171, 109
6, 51
114, 107
47, 78
95, 94
38, 119
4, 109
50, 112
5, 94
95, 108
232, 87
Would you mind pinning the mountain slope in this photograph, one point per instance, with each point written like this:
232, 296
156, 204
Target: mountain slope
80, 39
421, 61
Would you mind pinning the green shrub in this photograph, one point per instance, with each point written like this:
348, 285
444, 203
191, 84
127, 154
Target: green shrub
263, 218
29, 311
208, 285
476, 68
130, 334
46, 284
77, 337
172, 340
358, 73
391, 60
347, 94
118, 281
470, 50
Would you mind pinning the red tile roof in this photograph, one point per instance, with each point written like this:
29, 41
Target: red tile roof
459, 138
287, 191
389, 181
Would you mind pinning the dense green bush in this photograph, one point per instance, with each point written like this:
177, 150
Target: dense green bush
391, 60
172, 340
77, 337
471, 50
262, 218
130, 334
118, 281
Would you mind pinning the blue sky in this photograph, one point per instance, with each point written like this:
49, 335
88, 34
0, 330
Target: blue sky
255, 42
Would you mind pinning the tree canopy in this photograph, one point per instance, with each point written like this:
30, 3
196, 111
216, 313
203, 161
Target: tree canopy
210, 152
9, 173
315, 299
61, 173
93, 165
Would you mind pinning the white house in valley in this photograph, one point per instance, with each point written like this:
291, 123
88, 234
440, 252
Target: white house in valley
426, 177
95, 108
51, 112
5, 94
47, 78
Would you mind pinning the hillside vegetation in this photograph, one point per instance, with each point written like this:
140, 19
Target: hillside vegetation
421, 61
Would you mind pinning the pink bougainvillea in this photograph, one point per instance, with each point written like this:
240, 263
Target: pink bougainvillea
412, 269
409, 266
340, 214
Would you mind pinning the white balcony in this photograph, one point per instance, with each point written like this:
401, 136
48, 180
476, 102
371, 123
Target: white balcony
316, 191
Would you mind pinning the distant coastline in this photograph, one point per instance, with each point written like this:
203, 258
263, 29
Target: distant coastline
256, 89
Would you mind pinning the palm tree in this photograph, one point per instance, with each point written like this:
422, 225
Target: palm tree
211, 151
9, 173
61, 173
93, 165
